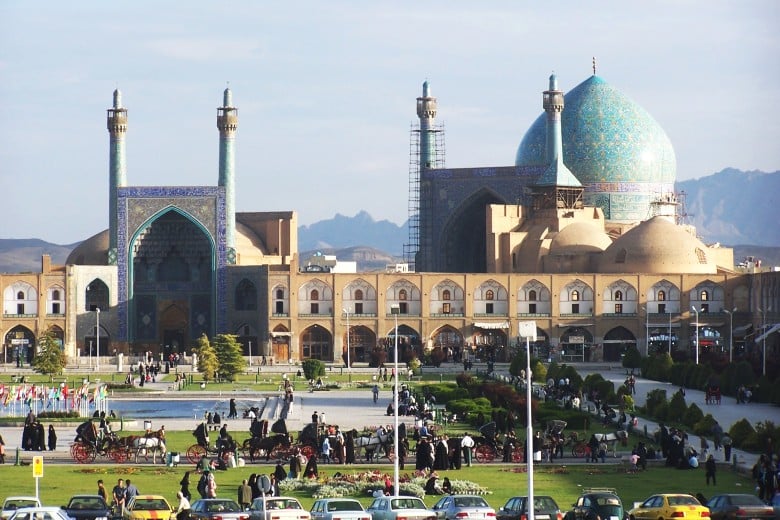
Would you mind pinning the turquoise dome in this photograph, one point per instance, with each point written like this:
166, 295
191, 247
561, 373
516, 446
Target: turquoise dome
619, 153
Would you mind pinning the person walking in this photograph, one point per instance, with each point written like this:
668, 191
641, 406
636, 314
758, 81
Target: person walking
466, 445
101, 491
710, 467
233, 414
52, 438
244, 495
185, 486
727, 442
375, 391
183, 509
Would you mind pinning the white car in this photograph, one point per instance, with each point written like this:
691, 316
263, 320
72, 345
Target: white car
11, 504
40, 513
397, 507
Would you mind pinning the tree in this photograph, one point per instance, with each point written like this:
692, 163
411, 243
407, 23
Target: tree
207, 358
632, 359
50, 359
229, 356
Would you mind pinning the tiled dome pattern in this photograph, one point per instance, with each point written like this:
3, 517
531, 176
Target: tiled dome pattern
615, 148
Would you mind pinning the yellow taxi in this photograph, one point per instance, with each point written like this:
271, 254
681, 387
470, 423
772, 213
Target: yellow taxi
148, 507
669, 506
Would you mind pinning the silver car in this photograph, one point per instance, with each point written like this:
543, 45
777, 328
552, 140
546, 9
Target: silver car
392, 507
277, 508
463, 507
338, 509
40, 513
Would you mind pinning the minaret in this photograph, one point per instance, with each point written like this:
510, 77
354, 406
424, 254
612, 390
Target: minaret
557, 187
116, 121
227, 123
426, 111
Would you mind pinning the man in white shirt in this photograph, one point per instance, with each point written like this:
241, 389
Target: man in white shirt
466, 445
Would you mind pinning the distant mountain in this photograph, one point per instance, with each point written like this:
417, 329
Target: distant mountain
731, 207
734, 207
360, 230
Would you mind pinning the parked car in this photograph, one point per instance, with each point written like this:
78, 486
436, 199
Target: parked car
669, 505
516, 508
88, 507
338, 509
597, 503
217, 509
463, 507
40, 513
278, 508
733, 506
395, 507
11, 504
148, 507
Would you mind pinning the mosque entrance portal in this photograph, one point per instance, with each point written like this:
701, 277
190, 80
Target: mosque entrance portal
173, 327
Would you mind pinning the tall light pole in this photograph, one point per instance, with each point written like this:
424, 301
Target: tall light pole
647, 331
764, 335
97, 338
395, 310
250, 353
731, 331
349, 364
670, 332
696, 341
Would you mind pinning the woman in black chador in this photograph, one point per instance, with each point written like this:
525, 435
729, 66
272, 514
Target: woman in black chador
52, 438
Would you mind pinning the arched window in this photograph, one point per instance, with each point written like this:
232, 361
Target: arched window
55, 295
532, 295
402, 294
96, 296
489, 294
358, 294
704, 296
619, 296
20, 295
280, 294
575, 295
315, 294
246, 296
661, 296
445, 295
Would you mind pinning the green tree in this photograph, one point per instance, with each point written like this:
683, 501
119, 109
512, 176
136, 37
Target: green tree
50, 359
313, 368
229, 356
632, 359
207, 358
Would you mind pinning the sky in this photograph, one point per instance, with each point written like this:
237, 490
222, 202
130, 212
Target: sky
326, 93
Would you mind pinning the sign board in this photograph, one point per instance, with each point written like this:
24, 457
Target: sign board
576, 339
37, 466
527, 329
20, 341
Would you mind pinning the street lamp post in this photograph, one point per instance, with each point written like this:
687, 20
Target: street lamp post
250, 353
647, 331
395, 310
696, 341
731, 332
670, 332
97, 338
349, 364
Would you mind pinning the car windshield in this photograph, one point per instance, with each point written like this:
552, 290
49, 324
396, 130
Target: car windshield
746, 500
683, 500
545, 504
150, 505
407, 503
280, 504
608, 511
86, 503
470, 502
20, 502
222, 506
344, 505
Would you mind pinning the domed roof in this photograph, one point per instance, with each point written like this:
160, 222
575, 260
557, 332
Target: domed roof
92, 251
607, 137
657, 246
580, 237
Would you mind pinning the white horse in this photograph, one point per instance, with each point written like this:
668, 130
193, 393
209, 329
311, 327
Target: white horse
152, 443
380, 439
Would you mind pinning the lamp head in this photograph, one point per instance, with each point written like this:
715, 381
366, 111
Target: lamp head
694, 309
395, 309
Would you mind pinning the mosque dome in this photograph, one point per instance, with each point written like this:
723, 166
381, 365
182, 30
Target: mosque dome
580, 237
614, 147
92, 251
657, 246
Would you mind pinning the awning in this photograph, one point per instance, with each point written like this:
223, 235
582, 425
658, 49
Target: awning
742, 329
772, 330
491, 325
280, 334
708, 324
674, 325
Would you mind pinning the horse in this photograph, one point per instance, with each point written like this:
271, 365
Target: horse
153, 442
611, 439
380, 439
264, 444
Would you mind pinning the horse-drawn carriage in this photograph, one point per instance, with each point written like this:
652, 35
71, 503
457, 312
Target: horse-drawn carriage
712, 395
487, 448
91, 442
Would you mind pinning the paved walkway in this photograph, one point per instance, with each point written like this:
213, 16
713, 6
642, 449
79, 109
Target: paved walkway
356, 409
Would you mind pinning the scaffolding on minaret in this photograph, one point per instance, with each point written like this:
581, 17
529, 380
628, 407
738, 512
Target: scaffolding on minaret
436, 132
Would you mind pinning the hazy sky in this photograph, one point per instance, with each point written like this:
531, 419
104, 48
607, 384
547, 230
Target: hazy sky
326, 93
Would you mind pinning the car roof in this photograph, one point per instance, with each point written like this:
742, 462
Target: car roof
20, 497
36, 508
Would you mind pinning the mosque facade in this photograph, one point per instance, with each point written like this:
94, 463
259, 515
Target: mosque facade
578, 235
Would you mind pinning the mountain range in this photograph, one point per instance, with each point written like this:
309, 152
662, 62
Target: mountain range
732, 207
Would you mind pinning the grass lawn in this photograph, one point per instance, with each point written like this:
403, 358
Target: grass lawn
563, 483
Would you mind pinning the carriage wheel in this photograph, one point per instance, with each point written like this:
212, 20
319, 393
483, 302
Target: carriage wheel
118, 454
84, 453
307, 451
195, 452
485, 453
518, 455
578, 450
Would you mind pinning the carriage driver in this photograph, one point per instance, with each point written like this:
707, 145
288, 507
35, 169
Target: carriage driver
201, 435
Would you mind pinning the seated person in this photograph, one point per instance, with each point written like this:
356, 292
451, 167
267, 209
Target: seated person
432, 486
446, 486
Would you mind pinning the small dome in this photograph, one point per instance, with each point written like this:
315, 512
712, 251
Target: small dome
657, 246
92, 251
619, 153
580, 237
